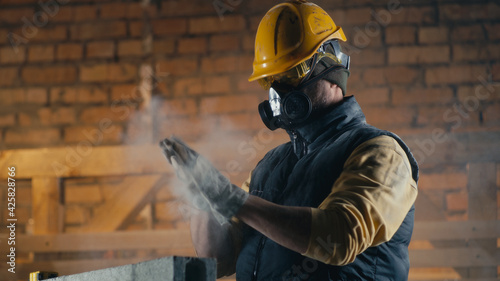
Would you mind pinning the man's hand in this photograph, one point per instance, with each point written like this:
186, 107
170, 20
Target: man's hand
207, 189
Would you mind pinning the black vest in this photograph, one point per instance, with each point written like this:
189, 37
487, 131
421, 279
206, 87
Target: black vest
302, 173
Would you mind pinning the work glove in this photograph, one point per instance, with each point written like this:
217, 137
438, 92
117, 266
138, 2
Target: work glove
205, 187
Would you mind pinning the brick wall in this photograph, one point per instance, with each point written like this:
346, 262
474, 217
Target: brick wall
426, 70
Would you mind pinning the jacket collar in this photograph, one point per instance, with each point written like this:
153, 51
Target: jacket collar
343, 115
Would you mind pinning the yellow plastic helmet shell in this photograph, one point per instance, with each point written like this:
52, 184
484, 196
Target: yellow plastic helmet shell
289, 34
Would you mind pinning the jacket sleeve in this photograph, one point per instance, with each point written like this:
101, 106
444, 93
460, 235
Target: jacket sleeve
367, 204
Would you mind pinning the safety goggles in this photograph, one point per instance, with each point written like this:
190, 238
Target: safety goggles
301, 73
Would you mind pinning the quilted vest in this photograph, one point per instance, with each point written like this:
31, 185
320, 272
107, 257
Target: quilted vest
302, 173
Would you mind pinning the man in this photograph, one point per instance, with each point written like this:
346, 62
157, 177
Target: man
335, 203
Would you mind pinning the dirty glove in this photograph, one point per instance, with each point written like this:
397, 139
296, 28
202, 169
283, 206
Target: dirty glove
206, 187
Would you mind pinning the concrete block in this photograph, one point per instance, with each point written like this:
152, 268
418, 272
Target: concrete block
163, 269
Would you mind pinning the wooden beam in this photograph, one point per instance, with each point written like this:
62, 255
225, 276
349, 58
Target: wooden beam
135, 193
119, 240
46, 207
88, 160
454, 257
75, 161
459, 230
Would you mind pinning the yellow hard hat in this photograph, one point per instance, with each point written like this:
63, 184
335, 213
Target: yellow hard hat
289, 34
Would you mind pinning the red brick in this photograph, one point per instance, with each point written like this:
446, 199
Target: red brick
178, 107
31, 137
85, 13
99, 30
248, 42
94, 135
49, 34
8, 76
48, 74
14, 16
225, 43
10, 55
113, 10
36, 95
361, 38
188, 128
357, 16
468, 12
78, 95
445, 115
443, 181
13, 96
164, 46
495, 71
468, 33
64, 14
413, 95
418, 54
476, 52
390, 75
108, 72
136, 28
69, 51
56, 116
4, 32
130, 48
227, 64
186, 8
240, 122
457, 201
169, 26
178, 66
412, 14
39, 53
215, 25
489, 92
433, 34
100, 49
254, 23
368, 57
384, 116
493, 31
7, 120
15, 2
243, 85
491, 115
204, 85
454, 74
116, 113
371, 96
197, 45
400, 35
229, 104
127, 92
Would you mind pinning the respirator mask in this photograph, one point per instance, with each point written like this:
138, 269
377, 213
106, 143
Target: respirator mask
288, 105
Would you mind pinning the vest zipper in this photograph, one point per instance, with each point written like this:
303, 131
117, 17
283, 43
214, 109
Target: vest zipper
257, 258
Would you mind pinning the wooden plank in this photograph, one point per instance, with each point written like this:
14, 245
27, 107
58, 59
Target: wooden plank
135, 193
120, 240
451, 230
454, 257
46, 207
